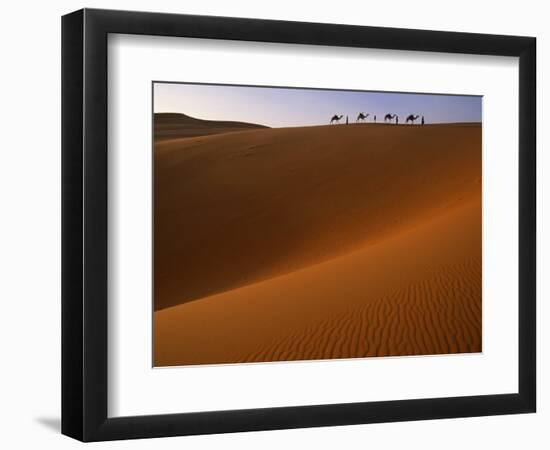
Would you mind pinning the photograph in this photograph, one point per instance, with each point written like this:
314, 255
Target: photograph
249, 225
299, 224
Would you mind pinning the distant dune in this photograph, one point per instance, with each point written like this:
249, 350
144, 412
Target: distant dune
175, 125
317, 243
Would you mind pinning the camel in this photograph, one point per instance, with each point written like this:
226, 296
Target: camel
335, 118
412, 118
362, 117
389, 117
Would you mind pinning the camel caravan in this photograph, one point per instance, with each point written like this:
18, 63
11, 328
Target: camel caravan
388, 118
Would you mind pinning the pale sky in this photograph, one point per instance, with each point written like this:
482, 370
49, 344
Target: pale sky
284, 107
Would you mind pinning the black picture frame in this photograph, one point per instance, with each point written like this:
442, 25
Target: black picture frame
84, 224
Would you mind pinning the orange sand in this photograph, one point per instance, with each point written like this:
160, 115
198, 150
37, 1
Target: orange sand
317, 243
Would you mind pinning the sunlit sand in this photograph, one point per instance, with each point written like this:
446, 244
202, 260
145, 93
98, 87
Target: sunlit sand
317, 243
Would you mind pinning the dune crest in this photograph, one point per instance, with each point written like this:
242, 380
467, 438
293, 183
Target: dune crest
177, 126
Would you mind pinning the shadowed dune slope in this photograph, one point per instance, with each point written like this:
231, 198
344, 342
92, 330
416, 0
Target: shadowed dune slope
175, 125
237, 209
415, 292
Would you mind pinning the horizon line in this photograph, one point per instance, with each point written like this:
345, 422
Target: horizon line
316, 125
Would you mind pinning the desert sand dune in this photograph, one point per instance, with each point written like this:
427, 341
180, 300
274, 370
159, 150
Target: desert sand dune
175, 125
436, 315
416, 292
318, 243
235, 209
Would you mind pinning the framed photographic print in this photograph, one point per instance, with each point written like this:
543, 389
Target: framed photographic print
273, 225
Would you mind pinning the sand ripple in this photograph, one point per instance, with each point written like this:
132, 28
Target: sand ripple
438, 315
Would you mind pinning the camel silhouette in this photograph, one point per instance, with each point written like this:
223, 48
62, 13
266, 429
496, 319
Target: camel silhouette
389, 117
411, 118
336, 119
362, 117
